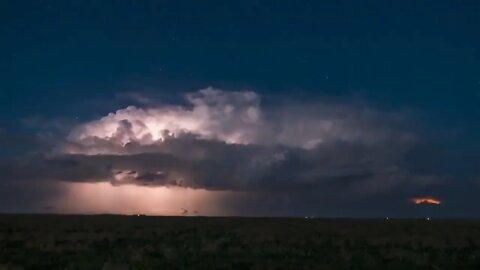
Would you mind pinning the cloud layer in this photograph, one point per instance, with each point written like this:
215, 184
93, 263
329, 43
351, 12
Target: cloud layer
226, 141
233, 118
223, 141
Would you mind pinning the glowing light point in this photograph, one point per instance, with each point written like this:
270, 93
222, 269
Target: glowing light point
425, 200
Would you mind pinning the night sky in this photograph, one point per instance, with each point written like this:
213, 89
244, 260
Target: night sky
276, 108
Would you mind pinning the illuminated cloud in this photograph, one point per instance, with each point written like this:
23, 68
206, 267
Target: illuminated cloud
228, 143
233, 118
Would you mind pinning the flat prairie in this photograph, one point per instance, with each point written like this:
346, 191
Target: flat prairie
147, 242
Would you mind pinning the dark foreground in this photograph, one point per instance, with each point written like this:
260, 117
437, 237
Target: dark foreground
122, 242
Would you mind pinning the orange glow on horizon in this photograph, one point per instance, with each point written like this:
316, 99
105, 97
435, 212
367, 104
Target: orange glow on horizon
425, 200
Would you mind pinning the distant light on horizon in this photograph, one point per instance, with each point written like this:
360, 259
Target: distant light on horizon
425, 200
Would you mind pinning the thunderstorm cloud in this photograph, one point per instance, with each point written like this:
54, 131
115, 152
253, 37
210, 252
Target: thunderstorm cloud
227, 141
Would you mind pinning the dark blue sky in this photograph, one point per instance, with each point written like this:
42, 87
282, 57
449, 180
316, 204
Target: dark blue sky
421, 54
70, 59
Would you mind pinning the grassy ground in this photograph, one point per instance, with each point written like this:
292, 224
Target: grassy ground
122, 242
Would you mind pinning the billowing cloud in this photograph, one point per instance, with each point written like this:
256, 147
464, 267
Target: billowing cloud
233, 118
229, 142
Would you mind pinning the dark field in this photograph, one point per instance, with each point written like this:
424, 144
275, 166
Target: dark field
123, 242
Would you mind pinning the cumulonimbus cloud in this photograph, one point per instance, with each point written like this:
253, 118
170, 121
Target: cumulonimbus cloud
233, 118
227, 141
